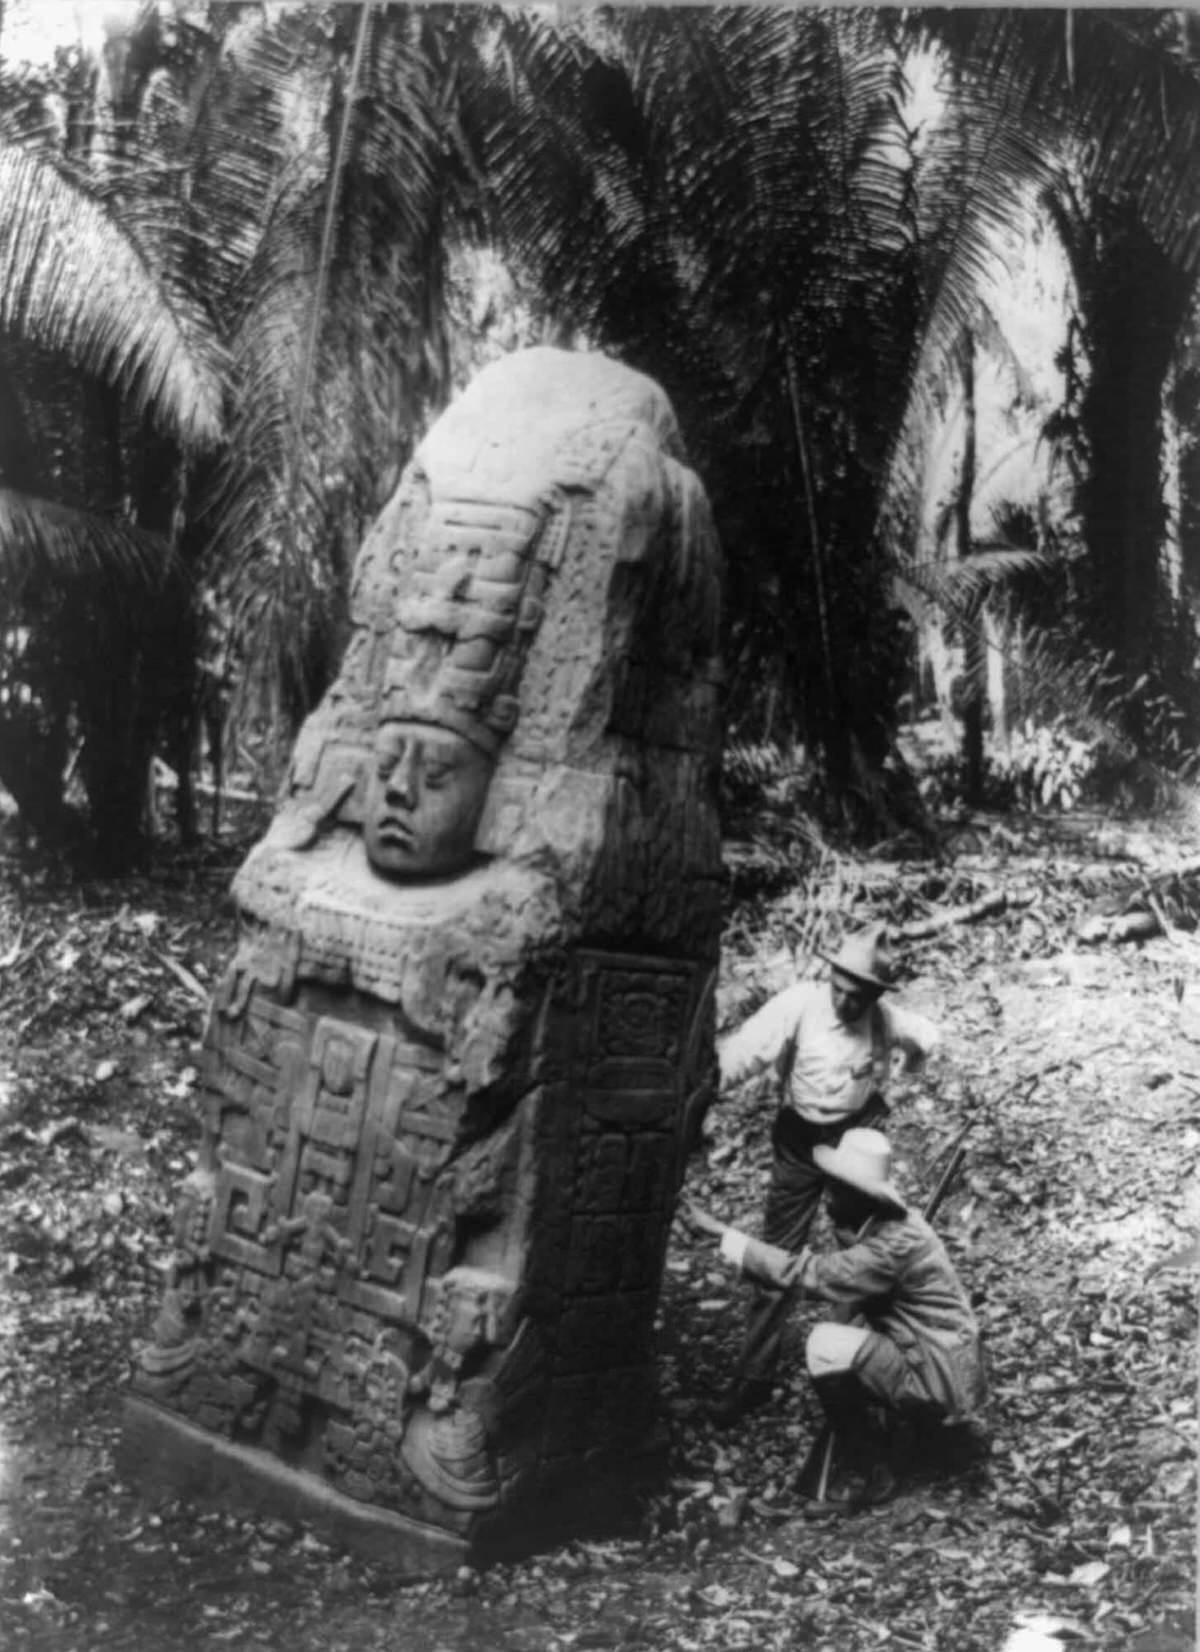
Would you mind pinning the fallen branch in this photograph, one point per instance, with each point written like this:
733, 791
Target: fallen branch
987, 906
185, 978
1167, 904
1126, 926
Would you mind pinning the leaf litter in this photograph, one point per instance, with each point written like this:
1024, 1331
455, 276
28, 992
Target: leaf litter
1075, 1227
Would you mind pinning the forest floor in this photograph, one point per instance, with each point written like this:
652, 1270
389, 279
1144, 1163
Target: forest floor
1080, 1069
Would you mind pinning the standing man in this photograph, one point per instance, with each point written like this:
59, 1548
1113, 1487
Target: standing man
831, 1045
912, 1349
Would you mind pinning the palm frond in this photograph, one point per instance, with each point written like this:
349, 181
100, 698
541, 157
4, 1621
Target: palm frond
1061, 679
957, 586
73, 282
1120, 84
981, 165
46, 544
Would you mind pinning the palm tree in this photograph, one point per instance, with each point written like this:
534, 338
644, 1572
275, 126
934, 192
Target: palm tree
722, 198
307, 165
732, 200
1112, 101
1132, 303
204, 193
91, 339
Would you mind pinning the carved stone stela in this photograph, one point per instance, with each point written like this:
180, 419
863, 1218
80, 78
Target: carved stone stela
448, 1073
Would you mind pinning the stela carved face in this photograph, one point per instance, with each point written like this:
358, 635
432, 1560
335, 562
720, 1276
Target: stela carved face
425, 794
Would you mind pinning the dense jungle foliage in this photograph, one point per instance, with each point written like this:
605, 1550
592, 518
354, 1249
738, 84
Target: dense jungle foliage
250, 252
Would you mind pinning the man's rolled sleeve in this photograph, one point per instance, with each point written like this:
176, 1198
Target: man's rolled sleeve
911, 1032
771, 1265
758, 1041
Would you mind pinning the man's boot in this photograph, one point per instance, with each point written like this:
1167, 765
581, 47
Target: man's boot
945, 1448
846, 1467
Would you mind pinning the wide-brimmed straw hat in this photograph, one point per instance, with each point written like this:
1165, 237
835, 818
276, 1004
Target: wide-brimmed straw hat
862, 1160
866, 956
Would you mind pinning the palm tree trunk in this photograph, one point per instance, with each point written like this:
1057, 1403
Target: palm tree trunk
170, 693
344, 120
110, 657
1133, 311
974, 644
836, 736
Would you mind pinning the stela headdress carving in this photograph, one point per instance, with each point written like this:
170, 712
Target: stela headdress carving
460, 638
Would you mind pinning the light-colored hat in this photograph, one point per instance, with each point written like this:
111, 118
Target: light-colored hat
862, 1160
867, 956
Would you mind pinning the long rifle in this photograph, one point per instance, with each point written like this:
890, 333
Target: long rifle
946, 1180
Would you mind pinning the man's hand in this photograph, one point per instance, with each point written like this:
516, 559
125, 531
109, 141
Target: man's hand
702, 1221
913, 1060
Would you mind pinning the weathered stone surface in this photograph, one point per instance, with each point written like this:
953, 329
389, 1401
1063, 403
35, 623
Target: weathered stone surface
448, 1073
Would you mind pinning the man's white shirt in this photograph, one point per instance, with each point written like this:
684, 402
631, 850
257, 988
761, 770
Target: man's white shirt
836, 1065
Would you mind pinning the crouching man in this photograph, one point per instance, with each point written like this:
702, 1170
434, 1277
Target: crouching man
912, 1350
